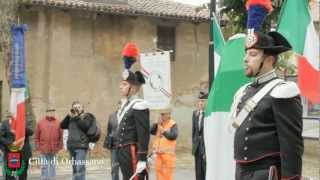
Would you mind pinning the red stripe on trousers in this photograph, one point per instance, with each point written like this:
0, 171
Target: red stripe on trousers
133, 159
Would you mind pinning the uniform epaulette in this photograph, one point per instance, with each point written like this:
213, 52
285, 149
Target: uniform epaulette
140, 105
286, 89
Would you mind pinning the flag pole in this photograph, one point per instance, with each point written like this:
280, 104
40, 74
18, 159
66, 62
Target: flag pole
211, 44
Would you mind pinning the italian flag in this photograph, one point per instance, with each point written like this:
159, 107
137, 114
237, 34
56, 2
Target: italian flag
297, 26
217, 134
18, 86
218, 44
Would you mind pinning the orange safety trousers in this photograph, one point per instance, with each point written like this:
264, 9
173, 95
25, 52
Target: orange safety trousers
165, 164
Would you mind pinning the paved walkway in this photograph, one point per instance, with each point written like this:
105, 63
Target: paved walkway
184, 170
180, 174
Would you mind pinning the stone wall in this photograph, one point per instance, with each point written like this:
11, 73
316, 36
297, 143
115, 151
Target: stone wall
73, 55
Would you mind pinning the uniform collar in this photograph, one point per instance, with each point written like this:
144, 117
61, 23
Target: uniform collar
124, 102
265, 77
133, 97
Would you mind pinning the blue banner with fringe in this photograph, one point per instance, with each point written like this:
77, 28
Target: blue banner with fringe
18, 76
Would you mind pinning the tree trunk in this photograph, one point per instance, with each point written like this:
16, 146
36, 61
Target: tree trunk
8, 16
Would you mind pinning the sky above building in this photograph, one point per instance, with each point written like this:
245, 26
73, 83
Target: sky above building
193, 2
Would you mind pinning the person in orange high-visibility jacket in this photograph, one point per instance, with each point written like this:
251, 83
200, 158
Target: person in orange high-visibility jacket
164, 145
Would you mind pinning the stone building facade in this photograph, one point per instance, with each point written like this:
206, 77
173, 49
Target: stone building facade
73, 52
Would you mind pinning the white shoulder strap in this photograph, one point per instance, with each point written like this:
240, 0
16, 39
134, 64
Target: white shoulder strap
251, 103
236, 99
122, 111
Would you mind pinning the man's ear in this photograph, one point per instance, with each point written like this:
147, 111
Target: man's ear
136, 88
270, 59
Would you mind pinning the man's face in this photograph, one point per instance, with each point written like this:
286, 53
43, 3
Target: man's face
165, 116
124, 88
252, 61
50, 114
201, 104
78, 107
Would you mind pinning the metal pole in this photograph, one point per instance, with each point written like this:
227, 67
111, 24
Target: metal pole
211, 44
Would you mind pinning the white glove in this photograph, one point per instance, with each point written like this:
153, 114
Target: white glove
141, 166
152, 157
91, 146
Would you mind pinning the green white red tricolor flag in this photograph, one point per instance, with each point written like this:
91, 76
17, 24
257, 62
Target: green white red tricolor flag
18, 86
218, 139
296, 25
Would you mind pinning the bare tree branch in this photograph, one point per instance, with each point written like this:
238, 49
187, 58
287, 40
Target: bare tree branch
8, 16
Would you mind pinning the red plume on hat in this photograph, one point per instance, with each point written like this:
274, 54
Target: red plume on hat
267, 4
257, 12
131, 50
130, 54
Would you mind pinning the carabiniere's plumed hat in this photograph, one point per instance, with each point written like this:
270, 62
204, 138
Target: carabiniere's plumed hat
130, 54
273, 42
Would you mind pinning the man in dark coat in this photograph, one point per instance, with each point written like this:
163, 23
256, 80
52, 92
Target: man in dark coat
267, 115
110, 143
133, 121
7, 139
82, 128
198, 147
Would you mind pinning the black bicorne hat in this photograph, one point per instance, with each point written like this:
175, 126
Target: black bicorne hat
272, 42
136, 78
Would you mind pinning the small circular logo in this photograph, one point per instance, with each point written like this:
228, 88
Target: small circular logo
251, 40
125, 74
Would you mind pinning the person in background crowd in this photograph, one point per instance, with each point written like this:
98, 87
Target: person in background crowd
7, 137
110, 144
198, 147
164, 145
8, 141
82, 129
48, 140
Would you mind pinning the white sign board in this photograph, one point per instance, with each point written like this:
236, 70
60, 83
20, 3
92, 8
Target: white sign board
156, 69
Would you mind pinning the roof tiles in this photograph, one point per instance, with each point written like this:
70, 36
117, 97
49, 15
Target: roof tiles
156, 8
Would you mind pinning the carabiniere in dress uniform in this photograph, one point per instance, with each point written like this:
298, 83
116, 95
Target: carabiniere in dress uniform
267, 113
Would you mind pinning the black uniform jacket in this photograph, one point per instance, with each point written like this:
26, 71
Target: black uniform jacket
112, 127
197, 134
273, 129
134, 126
